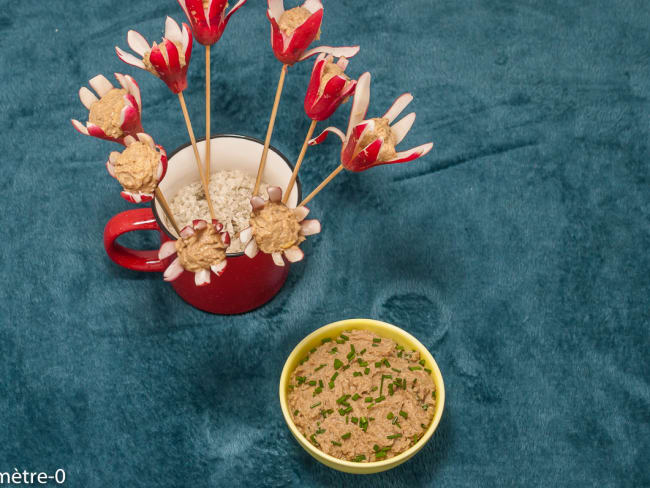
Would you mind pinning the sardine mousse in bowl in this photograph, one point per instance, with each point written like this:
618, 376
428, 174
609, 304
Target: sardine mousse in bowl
361, 396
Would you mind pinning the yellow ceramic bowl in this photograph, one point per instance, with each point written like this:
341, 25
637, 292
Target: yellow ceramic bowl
384, 330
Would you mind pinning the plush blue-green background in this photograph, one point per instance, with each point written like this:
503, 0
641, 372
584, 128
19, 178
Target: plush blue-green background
517, 250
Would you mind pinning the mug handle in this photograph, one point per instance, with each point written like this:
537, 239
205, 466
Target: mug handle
129, 221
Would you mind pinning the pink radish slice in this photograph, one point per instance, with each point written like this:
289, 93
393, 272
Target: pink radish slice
101, 85
402, 128
87, 97
173, 271
310, 227
202, 277
294, 254
219, 268
129, 58
275, 193
246, 234
257, 203
137, 42
173, 31
251, 249
167, 249
79, 126
398, 107
187, 231
277, 258
411, 154
359, 103
301, 213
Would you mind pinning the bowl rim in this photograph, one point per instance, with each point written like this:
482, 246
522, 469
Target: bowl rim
291, 166
374, 466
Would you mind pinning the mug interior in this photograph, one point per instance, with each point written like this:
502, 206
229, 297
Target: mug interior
227, 152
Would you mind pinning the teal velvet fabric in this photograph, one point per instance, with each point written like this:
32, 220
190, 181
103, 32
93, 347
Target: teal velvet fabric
516, 251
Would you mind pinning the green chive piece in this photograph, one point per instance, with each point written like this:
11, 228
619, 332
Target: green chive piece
347, 434
376, 340
340, 341
356, 396
331, 385
312, 383
336, 443
404, 414
344, 337
374, 388
362, 351
320, 383
296, 412
314, 441
415, 368
301, 379
399, 354
422, 362
350, 355
368, 400
380, 399
394, 436
347, 419
390, 415
427, 370
334, 376
357, 373
313, 350
320, 367
399, 348
327, 339
337, 363
334, 350
366, 371
315, 405
378, 364
359, 458
354, 420
317, 390
390, 389
385, 361
396, 370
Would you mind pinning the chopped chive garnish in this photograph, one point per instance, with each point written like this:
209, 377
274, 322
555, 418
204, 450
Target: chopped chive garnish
336, 443
422, 362
340, 341
334, 376
342, 399
301, 379
394, 436
356, 396
385, 361
415, 368
374, 388
425, 406
359, 458
354, 420
396, 370
346, 419
296, 412
362, 351
312, 383
368, 400
390, 415
375, 345
346, 367
375, 448
314, 441
362, 363
352, 348
327, 339
357, 373
378, 364
317, 390
350, 355
320, 383
348, 434
366, 371
337, 363
334, 350
404, 414
341, 412
415, 380
304, 360
433, 394
376, 340
315, 405
320, 367
331, 385
320, 430
344, 337
380, 399
313, 350
399, 348
399, 354
427, 370
390, 389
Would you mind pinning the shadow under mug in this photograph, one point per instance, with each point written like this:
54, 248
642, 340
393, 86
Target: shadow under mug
246, 283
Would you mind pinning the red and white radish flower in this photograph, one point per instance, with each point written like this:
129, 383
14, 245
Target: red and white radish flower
200, 249
168, 60
371, 142
113, 113
208, 18
328, 88
276, 229
139, 168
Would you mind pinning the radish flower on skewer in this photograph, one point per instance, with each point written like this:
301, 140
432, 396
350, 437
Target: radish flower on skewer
168, 60
328, 88
276, 229
372, 142
208, 18
292, 31
139, 168
201, 249
116, 113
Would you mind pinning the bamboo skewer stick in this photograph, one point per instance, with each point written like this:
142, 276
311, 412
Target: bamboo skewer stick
208, 136
269, 131
321, 186
181, 98
168, 211
303, 151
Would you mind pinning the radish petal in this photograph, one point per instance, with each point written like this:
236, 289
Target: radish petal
277, 258
173, 271
167, 249
310, 227
294, 254
251, 249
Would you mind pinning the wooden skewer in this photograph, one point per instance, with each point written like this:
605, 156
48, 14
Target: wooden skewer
168, 211
321, 186
269, 131
208, 136
294, 175
181, 98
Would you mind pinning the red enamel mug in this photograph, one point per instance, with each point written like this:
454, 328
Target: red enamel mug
246, 283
